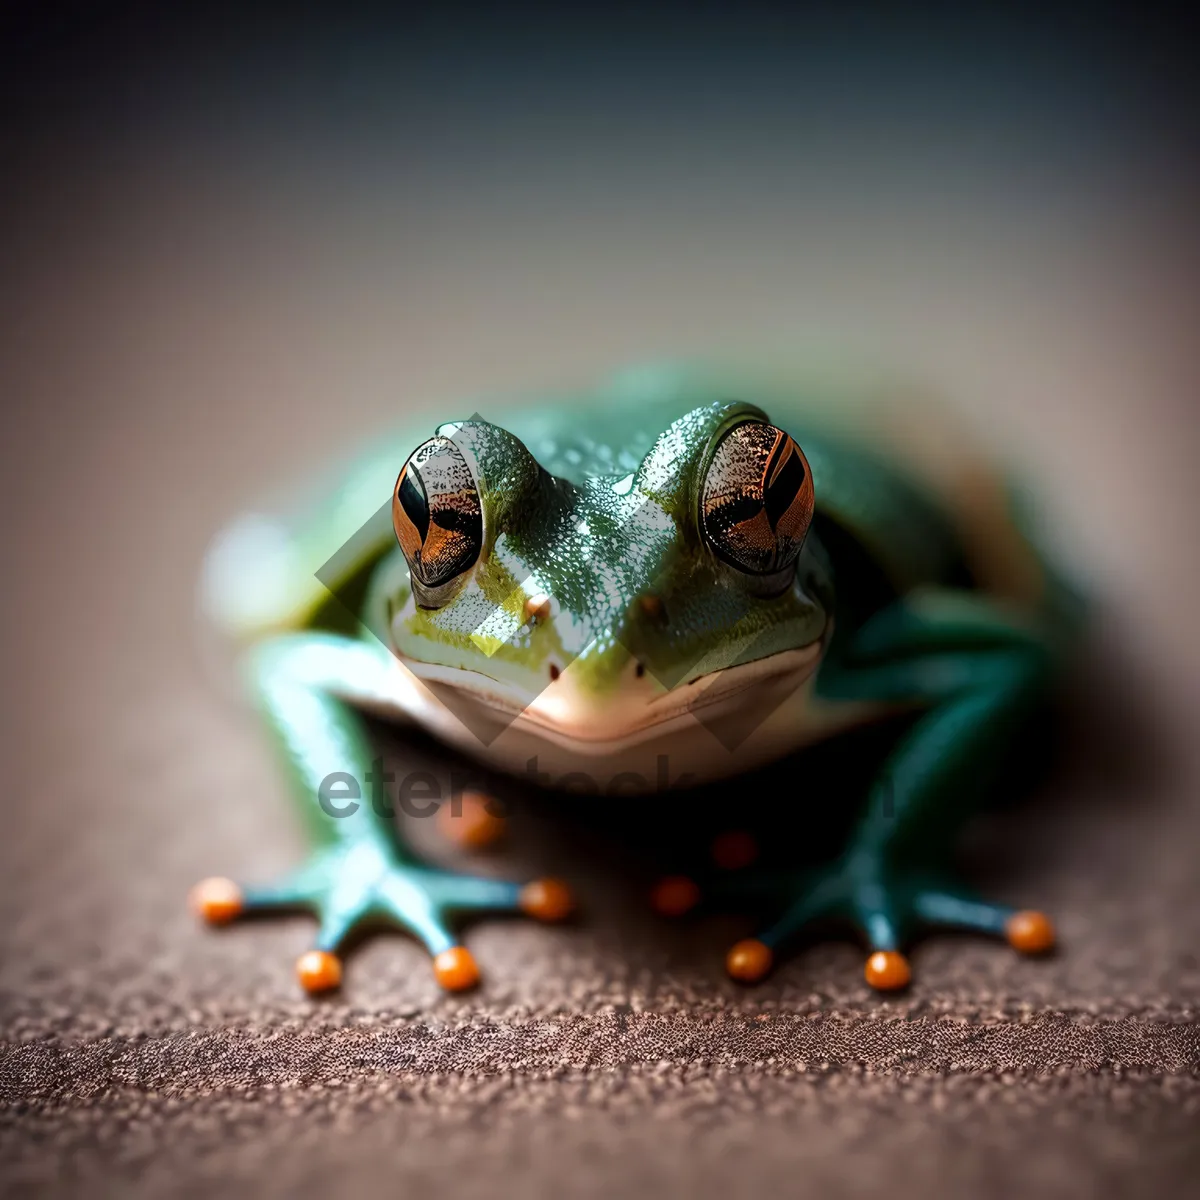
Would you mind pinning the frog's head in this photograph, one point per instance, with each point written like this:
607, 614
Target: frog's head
596, 606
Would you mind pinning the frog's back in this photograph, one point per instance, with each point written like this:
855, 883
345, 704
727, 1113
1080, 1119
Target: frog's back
908, 481
895, 473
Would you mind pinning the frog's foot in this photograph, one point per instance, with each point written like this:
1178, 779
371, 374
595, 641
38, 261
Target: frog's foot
884, 907
349, 886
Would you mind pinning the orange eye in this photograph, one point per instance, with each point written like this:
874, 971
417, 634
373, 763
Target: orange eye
436, 513
757, 500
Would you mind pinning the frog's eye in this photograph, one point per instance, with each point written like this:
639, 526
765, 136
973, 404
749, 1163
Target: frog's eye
436, 514
757, 499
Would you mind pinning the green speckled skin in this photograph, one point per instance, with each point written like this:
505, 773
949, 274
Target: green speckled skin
591, 500
595, 538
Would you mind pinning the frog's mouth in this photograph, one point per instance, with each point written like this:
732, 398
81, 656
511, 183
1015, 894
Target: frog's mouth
636, 708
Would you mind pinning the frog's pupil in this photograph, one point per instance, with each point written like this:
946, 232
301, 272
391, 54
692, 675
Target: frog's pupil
786, 485
466, 523
734, 512
412, 499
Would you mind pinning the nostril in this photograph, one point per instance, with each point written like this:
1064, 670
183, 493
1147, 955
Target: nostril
652, 606
641, 670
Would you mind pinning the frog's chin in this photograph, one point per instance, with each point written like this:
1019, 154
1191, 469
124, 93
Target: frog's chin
572, 717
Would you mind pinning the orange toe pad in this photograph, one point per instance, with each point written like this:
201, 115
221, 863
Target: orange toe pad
471, 825
887, 971
547, 900
674, 896
455, 969
749, 961
1030, 932
319, 971
217, 900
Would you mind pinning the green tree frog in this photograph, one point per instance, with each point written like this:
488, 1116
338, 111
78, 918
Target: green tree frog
675, 566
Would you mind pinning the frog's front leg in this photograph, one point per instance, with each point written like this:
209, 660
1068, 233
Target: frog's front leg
307, 685
976, 673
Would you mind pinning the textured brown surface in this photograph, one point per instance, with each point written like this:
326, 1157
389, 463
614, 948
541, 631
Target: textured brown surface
186, 323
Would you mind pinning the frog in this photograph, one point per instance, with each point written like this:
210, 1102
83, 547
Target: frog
676, 564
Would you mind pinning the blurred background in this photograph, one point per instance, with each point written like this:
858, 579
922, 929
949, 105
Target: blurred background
232, 249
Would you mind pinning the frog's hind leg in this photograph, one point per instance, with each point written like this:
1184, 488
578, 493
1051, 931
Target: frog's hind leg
307, 685
977, 674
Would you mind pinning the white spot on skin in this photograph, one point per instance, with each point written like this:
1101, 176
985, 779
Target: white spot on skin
247, 572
